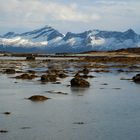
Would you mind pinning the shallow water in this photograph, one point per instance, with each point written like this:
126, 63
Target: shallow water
108, 110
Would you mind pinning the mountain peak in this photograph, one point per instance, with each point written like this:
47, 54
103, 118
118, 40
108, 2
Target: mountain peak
9, 35
46, 26
130, 31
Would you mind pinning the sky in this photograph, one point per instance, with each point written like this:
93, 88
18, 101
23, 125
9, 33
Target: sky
69, 15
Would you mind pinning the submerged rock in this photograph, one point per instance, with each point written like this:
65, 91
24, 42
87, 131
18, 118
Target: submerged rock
136, 78
38, 98
79, 82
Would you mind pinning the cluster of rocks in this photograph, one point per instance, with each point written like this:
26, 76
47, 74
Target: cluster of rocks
52, 76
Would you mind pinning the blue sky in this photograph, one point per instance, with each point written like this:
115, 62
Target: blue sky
69, 15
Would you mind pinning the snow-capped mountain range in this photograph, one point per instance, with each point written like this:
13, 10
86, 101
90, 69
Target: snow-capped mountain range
49, 40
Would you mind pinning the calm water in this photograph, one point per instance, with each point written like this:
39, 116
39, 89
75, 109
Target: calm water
107, 112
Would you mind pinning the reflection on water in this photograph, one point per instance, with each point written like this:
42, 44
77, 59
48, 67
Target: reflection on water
78, 91
100, 112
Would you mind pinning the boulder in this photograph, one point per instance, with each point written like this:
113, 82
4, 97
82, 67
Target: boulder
136, 78
38, 98
79, 82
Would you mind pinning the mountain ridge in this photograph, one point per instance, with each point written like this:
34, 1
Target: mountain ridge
50, 40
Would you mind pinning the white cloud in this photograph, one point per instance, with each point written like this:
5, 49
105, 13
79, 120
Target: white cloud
34, 11
70, 15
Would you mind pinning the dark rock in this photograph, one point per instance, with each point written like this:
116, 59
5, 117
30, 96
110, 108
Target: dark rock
7, 113
85, 71
80, 123
77, 75
48, 78
38, 98
31, 71
104, 84
44, 78
133, 67
62, 75
57, 92
3, 131
52, 78
120, 70
30, 58
79, 82
116, 88
136, 78
25, 127
26, 76
102, 70
10, 71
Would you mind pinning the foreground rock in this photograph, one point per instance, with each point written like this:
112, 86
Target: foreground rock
79, 82
136, 78
36, 98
